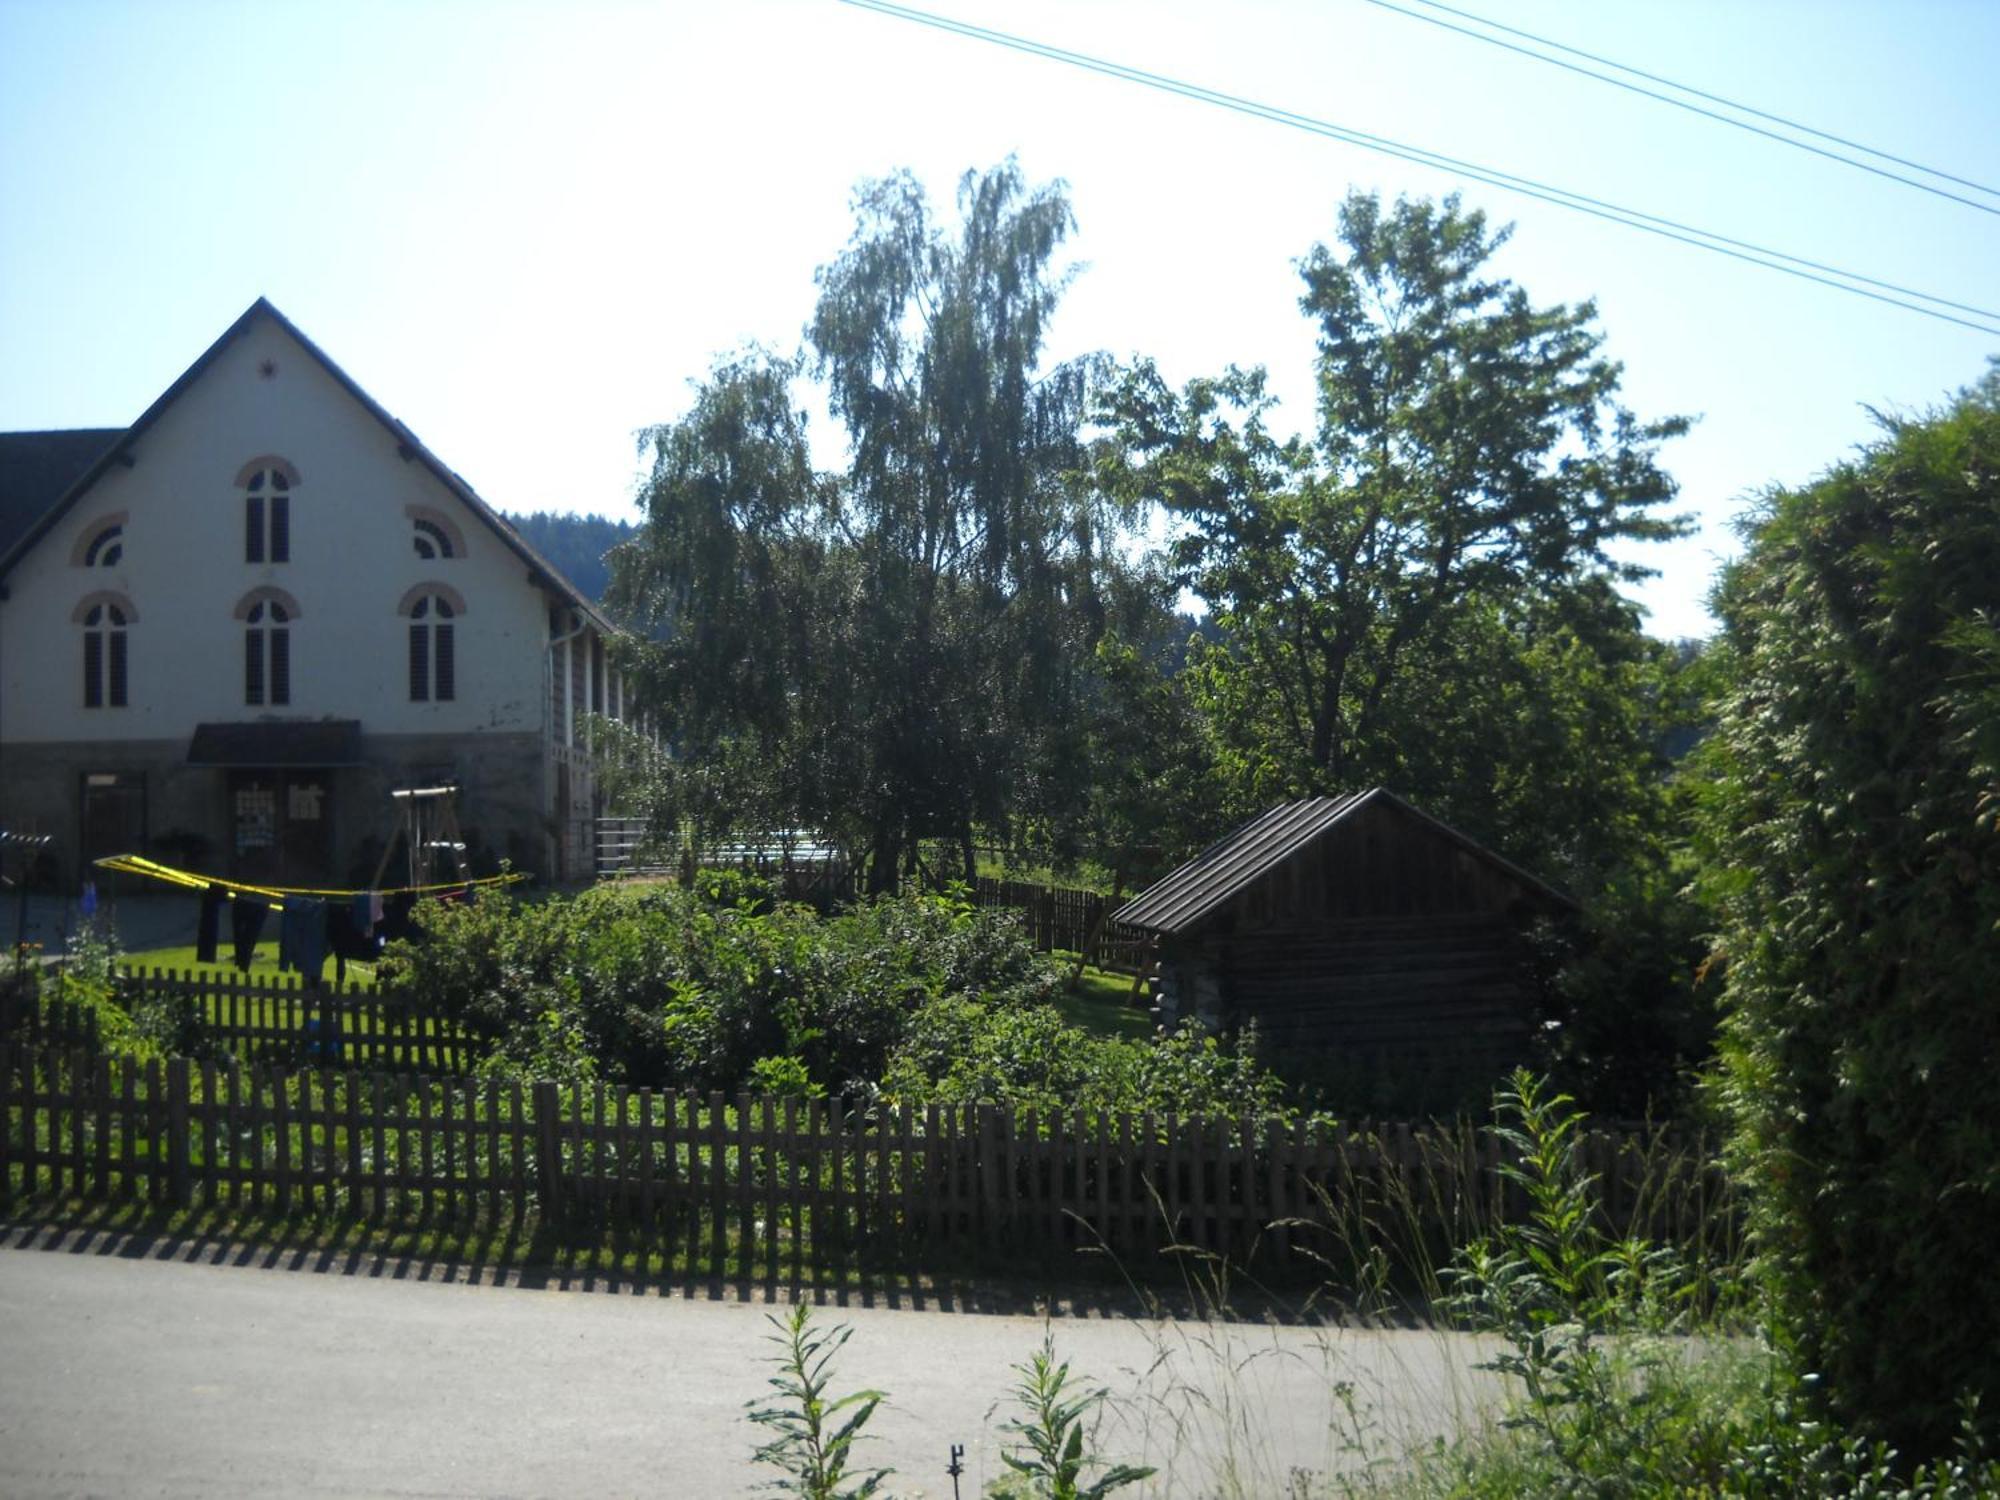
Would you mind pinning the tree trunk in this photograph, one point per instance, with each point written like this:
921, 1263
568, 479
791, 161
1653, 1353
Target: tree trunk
883, 859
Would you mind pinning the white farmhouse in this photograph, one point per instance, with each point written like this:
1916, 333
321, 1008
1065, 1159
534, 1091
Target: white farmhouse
229, 630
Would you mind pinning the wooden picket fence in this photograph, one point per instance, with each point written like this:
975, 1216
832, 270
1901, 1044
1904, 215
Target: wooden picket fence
43, 1021
747, 1182
1059, 916
279, 1020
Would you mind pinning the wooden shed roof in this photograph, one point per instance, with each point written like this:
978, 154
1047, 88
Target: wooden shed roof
1183, 899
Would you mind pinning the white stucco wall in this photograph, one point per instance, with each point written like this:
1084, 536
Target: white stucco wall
352, 561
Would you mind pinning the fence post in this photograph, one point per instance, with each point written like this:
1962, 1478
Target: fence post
177, 1131
548, 1148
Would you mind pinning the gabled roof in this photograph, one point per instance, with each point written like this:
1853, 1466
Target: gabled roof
411, 448
1230, 866
37, 468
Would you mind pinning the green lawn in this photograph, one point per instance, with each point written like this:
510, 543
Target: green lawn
263, 963
1098, 1005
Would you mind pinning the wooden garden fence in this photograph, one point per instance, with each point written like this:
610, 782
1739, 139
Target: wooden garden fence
42, 1021
280, 1020
753, 1182
1059, 916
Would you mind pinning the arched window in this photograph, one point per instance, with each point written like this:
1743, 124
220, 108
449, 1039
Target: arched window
267, 615
431, 608
104, 618
267, 485
106, 548
434, 534
431, 541
101, 544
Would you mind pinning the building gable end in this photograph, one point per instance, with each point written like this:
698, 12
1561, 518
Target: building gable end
540, 572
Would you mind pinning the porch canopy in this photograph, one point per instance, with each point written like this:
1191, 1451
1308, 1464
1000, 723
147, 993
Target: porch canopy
317, 744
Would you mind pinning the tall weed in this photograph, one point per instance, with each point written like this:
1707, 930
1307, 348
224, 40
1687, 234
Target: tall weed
1052, 1433
815, 1432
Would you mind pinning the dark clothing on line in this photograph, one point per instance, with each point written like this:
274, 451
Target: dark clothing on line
302, 937
396, 917
346, 940
205, 930
246, 922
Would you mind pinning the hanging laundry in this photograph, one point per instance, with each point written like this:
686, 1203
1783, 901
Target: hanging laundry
396, 917
206, 928
345, 940
302, 937
246, 922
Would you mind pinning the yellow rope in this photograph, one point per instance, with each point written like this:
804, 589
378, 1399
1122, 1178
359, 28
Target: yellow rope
135, 864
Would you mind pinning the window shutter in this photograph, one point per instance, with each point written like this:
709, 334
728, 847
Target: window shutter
446, 673
281, 666
420, 682
93, 669
117, 684
253, 667
253, 529
281, 528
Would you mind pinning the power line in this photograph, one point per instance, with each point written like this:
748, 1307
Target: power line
1758, 255
1685, 88
1619, 83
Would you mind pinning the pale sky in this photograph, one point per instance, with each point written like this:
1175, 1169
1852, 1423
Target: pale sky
525, 228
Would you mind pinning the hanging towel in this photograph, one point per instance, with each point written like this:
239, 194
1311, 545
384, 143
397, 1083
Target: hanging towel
205, 931
302, 937
246, 922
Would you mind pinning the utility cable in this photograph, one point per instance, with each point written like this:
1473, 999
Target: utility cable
1685, 88
1619, 83
1775, 260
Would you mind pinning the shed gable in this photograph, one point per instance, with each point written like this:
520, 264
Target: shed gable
1381, 860
1327, 858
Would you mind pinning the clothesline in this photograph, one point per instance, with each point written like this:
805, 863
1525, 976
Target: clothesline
314, 924
135, 864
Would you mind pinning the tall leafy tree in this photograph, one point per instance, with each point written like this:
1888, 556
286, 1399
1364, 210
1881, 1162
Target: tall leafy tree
903, 636
1853, 849
1420, 594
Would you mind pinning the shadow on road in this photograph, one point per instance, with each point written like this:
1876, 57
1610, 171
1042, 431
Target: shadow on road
503, 1259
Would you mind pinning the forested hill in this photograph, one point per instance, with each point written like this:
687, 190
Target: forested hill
575, 544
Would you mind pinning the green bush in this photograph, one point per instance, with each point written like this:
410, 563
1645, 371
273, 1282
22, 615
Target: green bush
717, 988
87, 980
963, 1052
1853, 848
694, 988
